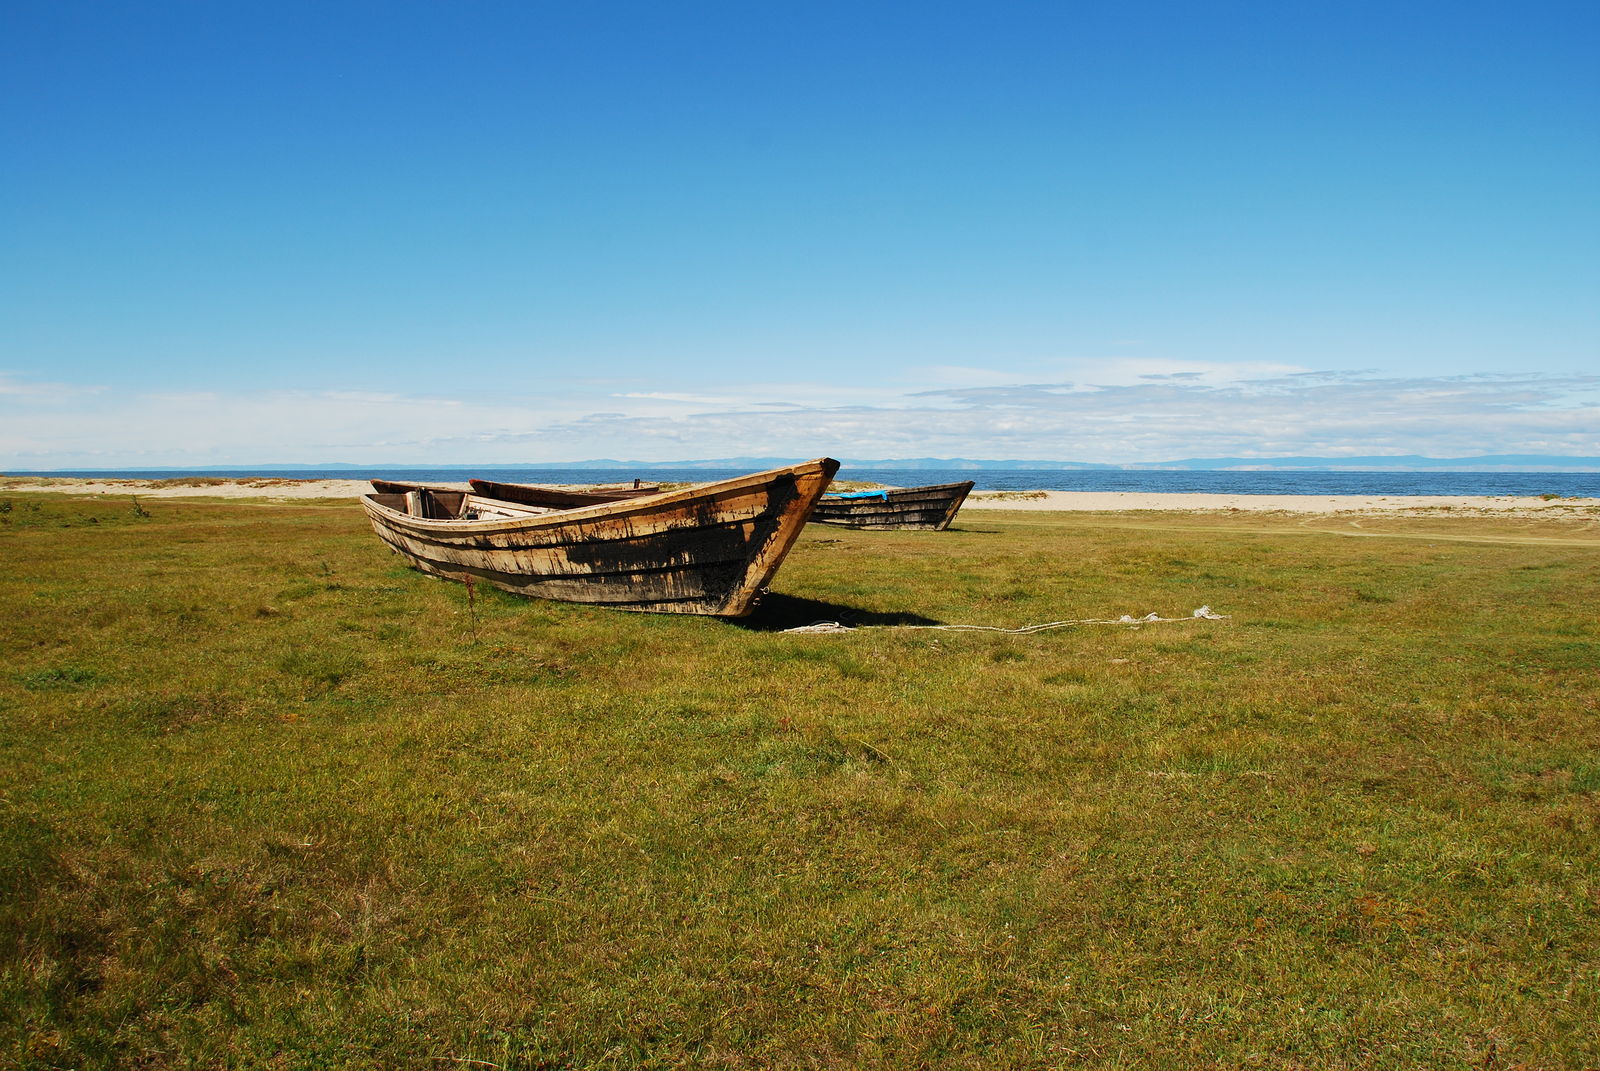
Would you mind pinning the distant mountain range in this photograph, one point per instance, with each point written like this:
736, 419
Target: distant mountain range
1371, 463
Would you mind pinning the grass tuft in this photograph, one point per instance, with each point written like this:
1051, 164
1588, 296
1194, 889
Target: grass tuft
61, 678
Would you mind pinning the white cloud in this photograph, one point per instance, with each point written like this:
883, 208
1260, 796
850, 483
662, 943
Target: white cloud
1127, 371
1082, 373
1131, 412
1151, 419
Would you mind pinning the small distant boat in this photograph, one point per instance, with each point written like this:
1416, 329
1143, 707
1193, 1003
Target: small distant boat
929, 509
709, 549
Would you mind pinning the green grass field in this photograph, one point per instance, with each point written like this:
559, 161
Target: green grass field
272, 799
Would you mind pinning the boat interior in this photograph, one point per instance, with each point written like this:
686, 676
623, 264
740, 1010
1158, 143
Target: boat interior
456, 506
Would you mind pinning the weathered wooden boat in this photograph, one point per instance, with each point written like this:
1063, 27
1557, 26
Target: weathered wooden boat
930, 508
709, 549
559, 498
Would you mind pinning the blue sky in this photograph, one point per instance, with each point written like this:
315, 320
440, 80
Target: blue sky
502, 232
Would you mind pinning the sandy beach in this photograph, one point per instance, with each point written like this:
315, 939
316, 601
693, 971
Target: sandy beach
1118, 501
274, 489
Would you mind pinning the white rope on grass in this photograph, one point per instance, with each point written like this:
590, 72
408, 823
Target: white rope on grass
1204, 613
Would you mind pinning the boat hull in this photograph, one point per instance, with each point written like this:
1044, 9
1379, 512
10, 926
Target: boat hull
928, 509
702, 550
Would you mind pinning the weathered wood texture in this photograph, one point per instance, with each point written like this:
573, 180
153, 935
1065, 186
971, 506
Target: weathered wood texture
929, 508
555, 497
437, 502
702, 550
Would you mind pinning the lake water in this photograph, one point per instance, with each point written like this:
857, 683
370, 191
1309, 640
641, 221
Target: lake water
1565, 484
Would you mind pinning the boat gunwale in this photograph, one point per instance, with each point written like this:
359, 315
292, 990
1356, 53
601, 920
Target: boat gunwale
435, 538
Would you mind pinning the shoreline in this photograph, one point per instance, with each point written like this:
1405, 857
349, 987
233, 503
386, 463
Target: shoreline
1202, 502
289, 490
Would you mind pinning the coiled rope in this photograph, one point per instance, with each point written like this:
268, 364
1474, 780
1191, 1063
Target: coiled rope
1204, 613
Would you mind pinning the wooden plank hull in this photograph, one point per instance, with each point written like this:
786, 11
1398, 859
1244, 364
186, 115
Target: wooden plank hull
928, 509
702, 550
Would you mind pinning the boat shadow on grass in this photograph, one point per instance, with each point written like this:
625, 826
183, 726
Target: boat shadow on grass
774, 613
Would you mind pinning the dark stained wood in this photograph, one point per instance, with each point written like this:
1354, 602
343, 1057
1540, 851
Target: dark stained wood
396, 487
554, 497
436, 502
702, 550
930, 508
